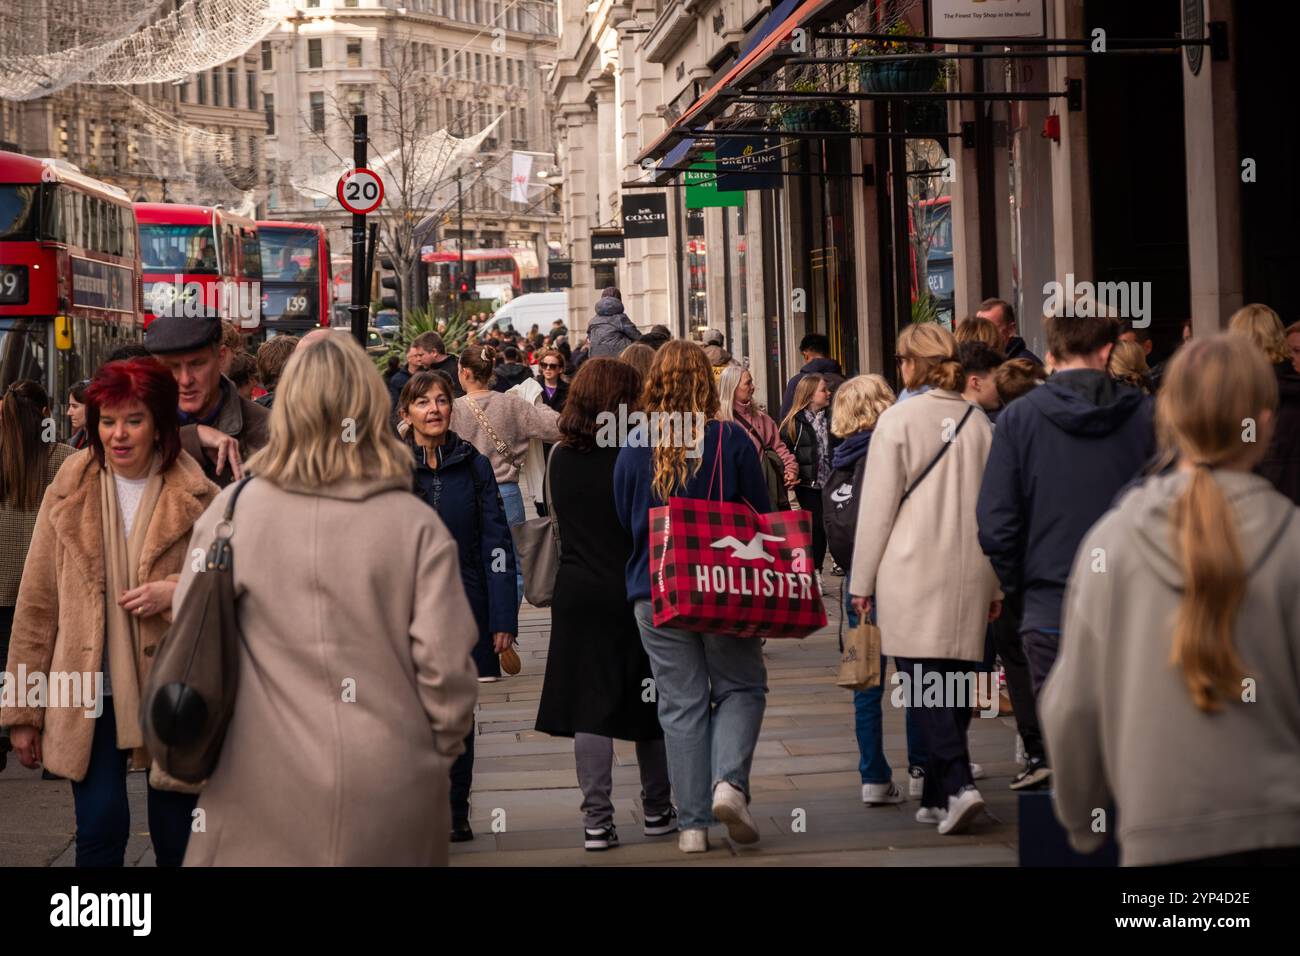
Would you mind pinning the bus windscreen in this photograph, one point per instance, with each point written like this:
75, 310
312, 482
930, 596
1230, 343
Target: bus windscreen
288, 255
177, 248
18, 212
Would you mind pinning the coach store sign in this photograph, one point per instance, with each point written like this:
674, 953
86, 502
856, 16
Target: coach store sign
645, 216
608, 245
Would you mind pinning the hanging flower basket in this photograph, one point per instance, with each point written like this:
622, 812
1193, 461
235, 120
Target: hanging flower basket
898, 76
811, 116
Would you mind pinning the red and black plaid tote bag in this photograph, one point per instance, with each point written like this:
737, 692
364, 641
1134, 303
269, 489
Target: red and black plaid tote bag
722, 568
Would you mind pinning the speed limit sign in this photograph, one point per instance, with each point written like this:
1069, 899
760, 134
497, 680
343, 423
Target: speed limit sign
360, 191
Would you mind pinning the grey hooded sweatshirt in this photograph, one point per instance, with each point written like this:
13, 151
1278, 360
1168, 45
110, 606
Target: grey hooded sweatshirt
611, 331
1119, 721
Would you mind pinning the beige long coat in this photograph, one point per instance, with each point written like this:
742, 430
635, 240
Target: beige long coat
356, 686
922, 561
59, 618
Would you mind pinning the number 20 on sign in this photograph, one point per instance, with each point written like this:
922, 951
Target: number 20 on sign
360, 191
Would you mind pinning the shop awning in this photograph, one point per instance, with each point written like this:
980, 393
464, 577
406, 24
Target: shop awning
784, 19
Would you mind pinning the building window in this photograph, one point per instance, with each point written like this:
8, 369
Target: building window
203, 89
350, 3
185, 92
313, 55
268, 107
478, 67
313, 4
251, 90
266, 55
356, 102
354, 53
318, 112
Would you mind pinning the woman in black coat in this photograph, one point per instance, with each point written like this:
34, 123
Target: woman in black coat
598, 685
457, 482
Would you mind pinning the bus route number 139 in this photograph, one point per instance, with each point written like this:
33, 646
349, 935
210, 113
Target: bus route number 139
360, 191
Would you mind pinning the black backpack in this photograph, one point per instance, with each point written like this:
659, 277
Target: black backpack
840, 510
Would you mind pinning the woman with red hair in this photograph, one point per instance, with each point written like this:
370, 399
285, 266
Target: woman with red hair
111, 538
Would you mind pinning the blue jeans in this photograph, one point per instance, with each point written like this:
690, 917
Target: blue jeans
868, 722
512, 499
712, 691
103, 815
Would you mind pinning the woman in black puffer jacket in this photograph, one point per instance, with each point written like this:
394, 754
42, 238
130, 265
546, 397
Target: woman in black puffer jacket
806, 431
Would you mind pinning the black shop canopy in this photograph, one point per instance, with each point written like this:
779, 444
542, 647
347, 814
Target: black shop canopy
772, 47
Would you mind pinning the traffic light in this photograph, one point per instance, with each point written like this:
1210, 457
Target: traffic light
390, 280
468, 282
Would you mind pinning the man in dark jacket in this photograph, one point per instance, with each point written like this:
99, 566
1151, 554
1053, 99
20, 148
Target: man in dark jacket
1001, 314
611, 331
1060, 454
192, 349
510, 372
414, 363
436, 360
814, 347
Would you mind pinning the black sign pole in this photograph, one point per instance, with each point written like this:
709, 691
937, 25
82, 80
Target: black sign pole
360, 307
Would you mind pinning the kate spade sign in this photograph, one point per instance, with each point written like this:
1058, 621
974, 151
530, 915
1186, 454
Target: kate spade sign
645, 216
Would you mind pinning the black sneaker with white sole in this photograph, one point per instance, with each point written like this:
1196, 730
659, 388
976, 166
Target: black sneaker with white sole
662, 823
600, 839
1036, 775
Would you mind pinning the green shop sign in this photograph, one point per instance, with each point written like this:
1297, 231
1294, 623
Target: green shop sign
702, 186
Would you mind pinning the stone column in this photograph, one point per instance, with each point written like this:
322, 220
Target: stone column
1213, 181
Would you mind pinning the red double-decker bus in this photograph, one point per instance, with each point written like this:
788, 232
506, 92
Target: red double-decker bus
297, 284
200, 261
69, 274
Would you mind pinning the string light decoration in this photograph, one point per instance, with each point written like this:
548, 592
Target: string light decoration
48, 45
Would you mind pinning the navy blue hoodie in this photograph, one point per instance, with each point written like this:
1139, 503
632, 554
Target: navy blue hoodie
1060, 455
828, 368
742, 478
482, 536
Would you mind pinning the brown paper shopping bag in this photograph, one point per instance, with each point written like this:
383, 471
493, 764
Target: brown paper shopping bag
860, 662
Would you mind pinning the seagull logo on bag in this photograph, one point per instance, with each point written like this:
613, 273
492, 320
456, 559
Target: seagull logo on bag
748, 552
751, 581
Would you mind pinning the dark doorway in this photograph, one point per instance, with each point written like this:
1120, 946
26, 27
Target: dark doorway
1270, 206
1136, 162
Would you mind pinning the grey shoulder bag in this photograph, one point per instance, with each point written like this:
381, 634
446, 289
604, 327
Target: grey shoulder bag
537, 548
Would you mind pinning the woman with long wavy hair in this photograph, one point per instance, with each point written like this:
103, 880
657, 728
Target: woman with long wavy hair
1176, 696
712, 688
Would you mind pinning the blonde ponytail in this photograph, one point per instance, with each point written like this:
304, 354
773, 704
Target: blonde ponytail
1214, 585
1212, 387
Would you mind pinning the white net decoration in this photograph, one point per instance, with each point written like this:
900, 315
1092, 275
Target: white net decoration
48, 45
420, 176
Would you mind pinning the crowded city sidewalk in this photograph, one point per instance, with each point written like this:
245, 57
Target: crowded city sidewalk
806, 759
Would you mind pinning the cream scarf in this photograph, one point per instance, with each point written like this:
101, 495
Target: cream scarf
122, 573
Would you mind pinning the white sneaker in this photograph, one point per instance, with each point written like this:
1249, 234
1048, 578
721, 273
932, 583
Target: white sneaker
931, 815
488, 680
963, 809
977, 771
693, 841
730, 807
916, 783
881, 794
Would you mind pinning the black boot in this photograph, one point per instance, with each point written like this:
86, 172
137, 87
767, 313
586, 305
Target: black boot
461, 832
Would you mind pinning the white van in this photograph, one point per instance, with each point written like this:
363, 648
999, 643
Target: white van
532, 308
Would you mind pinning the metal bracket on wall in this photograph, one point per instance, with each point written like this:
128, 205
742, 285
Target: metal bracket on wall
968, 135
1074, 95
1218, 30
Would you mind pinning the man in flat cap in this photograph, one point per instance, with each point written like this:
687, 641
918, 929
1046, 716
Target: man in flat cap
219, 429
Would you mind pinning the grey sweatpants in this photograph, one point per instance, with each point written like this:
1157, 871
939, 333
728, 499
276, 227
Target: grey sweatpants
594, 756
